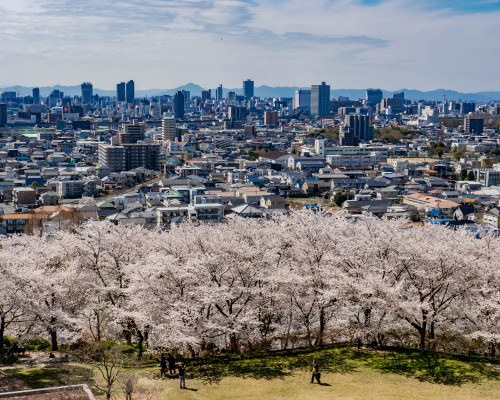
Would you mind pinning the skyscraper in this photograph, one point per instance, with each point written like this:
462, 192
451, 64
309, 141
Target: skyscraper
302, 98
206, 95
168, 127
187, 96
87, 93
374, 96
120, 92
248, 89
356, 129
179, 105
3, 114
473, 125
218, 94
36, 95
320, 99
130, 92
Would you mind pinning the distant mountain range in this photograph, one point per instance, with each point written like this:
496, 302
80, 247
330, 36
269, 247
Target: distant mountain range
268, 91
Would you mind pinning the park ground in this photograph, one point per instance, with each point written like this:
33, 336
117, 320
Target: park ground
347, 374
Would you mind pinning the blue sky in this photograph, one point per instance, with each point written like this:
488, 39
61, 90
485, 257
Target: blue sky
421, 44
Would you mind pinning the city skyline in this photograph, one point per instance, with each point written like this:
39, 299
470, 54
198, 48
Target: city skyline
347, 43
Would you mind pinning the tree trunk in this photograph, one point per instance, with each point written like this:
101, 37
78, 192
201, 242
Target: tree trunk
422, 331
140, 342
233, 343
2, 331
321, 326
53, 339
492, 349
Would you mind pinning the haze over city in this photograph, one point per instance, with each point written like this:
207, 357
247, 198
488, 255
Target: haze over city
166, 43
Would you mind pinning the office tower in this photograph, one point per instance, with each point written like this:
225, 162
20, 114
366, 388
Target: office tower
466, 108
36, 95
206, 95
3, 114
187, 96
320, 99
218, 93
400, 95
248, 89
237, 113
473, 125
302, 98
54, 97
271, 118
231, 96
129, 92
8, 96
120, 92
169, 130
87, 93
132, 133
356, 129
374, 96
179, 105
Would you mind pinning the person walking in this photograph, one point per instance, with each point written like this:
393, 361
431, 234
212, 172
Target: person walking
182, 376
171, 364
163, 365
315, 372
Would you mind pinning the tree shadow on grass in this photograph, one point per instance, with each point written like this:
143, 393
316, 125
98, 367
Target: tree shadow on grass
434, 368
274, 366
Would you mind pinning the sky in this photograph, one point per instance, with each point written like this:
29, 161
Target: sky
391, 44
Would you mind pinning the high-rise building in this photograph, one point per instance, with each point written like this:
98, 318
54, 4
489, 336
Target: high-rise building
187, 96
206, 95
218, 94
8, 96
179, 105
400, 95
302, 99
237, 113
87, 93
374, 96
120, 92
466, 108
36, 95
271, 118
126, 157
320, 99
357, 129
169, 130
248, 89
473, 125
130, 92
132, 133
3, 114
54, 97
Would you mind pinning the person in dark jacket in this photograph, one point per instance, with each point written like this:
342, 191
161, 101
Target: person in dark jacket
182, 376
171, 364
163, 365
315, 372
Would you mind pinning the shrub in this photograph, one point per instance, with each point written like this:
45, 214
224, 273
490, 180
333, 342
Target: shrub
37, 344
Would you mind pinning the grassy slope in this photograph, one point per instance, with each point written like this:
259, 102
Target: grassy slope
347, 373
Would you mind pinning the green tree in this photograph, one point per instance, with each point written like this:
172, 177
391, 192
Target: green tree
457, 155
463, 175
495, 151
34, 185
339, 198
470, 176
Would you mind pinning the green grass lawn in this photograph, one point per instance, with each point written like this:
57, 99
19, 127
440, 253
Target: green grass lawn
346, 374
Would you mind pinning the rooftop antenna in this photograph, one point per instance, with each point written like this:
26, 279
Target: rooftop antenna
444, 96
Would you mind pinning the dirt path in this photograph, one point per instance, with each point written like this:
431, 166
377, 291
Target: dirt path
11, 384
